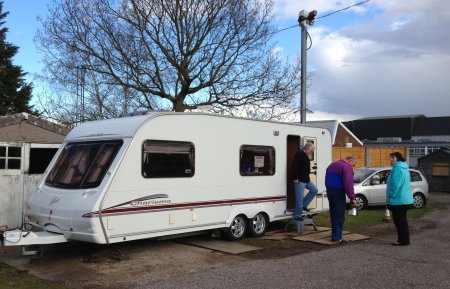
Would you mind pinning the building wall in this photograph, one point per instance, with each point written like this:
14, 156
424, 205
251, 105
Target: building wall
437, 174
343, 137
428, 138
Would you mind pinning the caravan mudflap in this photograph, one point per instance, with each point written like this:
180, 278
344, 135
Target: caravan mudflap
25, 238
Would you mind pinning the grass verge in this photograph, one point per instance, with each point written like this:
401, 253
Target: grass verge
11, 278
368, 217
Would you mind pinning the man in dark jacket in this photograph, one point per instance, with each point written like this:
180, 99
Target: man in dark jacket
339, 182
301, 168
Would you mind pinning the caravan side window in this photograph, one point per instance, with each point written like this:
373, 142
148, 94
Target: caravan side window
257, 160
168, 159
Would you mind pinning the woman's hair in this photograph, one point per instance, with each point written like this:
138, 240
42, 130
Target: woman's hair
399, 156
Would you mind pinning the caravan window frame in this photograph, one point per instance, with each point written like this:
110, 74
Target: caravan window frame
248, 160
169, 153
75, 169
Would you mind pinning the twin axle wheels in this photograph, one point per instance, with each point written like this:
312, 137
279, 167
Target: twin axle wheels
240, 226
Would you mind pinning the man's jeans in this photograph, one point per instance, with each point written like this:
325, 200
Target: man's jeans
303, 202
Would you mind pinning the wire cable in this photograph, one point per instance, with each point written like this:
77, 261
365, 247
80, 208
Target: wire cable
326, 15
357, 4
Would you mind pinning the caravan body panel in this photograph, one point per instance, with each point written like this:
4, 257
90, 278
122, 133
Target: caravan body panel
209, 187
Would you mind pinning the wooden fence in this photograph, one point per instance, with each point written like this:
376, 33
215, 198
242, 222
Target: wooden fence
368, 157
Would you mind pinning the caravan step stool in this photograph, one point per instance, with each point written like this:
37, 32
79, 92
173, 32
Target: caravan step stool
307, 220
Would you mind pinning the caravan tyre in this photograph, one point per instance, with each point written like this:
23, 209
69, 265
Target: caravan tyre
257, 226
237, 229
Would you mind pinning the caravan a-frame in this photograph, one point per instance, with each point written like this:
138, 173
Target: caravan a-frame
166, 173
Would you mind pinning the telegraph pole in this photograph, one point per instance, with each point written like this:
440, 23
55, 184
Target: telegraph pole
304, 19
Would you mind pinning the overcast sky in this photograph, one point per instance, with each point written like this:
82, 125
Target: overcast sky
385, 57
382, 58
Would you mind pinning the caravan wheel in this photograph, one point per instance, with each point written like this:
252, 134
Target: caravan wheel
258, 225
237, 229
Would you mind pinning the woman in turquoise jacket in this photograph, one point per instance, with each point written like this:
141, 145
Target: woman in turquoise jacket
399, 196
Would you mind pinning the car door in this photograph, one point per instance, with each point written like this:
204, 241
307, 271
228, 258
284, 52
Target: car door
376, 188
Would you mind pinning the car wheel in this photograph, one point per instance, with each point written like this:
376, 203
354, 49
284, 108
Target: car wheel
419, 200
257, 226
237, 229
361, 202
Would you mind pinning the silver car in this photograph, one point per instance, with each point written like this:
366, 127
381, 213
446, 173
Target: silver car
370, 187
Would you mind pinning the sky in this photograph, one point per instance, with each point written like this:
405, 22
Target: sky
381, 58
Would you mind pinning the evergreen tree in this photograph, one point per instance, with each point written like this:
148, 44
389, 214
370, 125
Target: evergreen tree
15, 94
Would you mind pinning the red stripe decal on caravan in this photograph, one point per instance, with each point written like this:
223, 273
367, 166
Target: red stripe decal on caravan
141, 206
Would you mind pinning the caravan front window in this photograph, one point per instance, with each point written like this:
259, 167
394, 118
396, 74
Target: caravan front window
83, 165
167, 159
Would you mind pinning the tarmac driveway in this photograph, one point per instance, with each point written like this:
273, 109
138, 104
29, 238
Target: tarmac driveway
170, 264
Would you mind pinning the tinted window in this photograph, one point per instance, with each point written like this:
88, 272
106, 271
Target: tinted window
83, 165
257, 160
168, 159
415, 176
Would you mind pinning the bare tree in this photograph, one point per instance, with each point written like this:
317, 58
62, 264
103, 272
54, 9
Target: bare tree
165, 54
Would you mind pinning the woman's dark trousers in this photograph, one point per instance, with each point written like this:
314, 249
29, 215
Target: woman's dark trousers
401, 222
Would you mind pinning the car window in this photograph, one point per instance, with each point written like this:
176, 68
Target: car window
379, 178
415, 176
384, 176
361, 175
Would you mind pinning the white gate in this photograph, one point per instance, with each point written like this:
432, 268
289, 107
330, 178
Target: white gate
16, 184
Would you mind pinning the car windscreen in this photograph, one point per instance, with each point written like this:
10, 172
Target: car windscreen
361, 175
83, 165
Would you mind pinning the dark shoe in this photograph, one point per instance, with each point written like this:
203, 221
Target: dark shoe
342, 241
306, 209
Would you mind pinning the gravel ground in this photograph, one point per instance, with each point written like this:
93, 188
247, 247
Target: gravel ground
169, 264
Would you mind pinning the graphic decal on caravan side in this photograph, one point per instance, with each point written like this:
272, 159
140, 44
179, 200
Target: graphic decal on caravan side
129, 208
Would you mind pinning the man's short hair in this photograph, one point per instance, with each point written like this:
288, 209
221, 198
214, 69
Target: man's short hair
350, 158
308, 145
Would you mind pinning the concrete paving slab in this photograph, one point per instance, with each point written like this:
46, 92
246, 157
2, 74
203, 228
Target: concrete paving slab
325, 237
355, 237
282, 233
275, 237
218, 245
325, 241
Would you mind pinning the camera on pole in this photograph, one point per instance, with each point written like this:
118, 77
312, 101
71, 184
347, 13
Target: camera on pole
307, 18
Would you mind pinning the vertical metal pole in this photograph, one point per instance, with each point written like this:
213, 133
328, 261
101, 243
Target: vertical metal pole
303, 74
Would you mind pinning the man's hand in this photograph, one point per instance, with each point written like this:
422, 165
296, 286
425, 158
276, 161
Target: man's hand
353, 204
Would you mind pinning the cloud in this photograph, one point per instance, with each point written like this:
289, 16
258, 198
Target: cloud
393, 59
287, 9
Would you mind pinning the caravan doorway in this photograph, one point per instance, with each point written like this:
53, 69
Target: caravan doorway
293, 145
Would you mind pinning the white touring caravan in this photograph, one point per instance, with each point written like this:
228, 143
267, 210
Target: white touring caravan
167, 173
